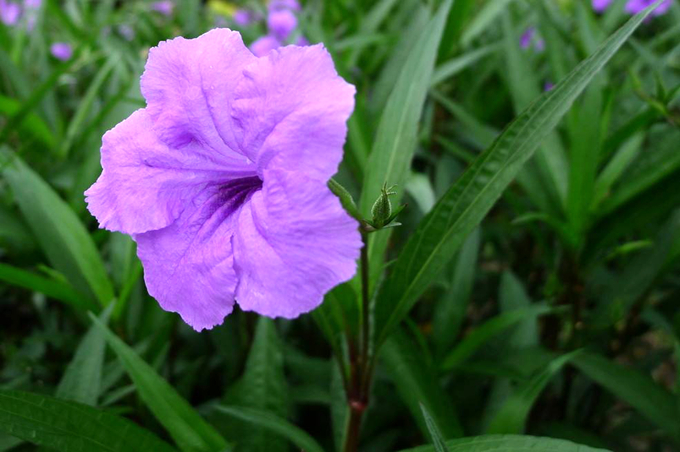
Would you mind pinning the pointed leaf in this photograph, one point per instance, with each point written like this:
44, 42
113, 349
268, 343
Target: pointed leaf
396, 137
273, 424
62, 236
508, 443
467, 202
189, 430
72, 427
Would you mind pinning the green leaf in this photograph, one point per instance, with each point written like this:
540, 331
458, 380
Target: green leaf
460, 63
437, 439
635, 388
468, 201
417, 383
551, 163
663, 162
483, 20
85, 105
621, 160
82, 380
8, 442
263, 387
72, 427
32, 125
58, 290
487, 331
450, 311
37, 95
273, 424
189, 430
508, 443
62, 236
396, 136
512, 296
384, 85
637, 277
584, 157
512, 416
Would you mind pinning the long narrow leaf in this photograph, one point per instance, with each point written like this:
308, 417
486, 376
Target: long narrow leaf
468, 201
62, 236
509, 443
189, 430
396, 136
70, 426
274, 424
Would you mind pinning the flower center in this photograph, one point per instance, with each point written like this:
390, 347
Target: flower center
236, 192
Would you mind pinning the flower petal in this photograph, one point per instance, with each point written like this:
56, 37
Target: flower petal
293, 244
291, 110
145, 184
188, 85
189, 266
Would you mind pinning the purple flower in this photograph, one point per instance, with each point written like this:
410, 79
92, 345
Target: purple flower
281, 23
601, 5
292, 5
61, 51
243, 17
263, 45
164, 7
9, 12
126, 31
548, 86
302, 41
31, 7
221, 179
530, 37
637, 6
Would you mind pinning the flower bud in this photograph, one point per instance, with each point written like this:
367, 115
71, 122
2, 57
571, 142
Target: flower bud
382, 208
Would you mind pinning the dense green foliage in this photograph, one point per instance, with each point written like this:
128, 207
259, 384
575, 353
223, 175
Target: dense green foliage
528, 300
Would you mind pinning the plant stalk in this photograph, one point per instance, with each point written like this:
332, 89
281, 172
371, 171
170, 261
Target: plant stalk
357, 392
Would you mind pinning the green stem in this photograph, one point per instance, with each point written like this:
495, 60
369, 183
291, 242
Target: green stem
361, 370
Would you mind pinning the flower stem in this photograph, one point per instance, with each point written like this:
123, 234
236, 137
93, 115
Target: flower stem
358, 389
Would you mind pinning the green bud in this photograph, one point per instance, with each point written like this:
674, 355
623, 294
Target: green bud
382, 208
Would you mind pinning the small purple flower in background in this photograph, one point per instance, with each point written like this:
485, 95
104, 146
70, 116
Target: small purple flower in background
263, 45
637, 6
243, 17
31, 8
221, 179
61, 51
9, 12
281, 23
292, 5
548, 86
530, 37
601, 5
126, 31
164, 7
302, 41
634, 6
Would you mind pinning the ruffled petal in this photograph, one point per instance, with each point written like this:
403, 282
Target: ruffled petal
291, 111
293, 244
145, 184
188, 85
189, 266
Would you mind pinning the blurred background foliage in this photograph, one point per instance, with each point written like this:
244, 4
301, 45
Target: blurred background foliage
557, 317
